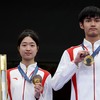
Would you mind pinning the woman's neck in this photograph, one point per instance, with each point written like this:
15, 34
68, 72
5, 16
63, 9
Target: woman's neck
27, 63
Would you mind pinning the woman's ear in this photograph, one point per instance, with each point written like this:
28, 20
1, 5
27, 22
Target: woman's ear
37, 48
18, 48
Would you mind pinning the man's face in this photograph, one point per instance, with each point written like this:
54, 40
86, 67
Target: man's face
91, 26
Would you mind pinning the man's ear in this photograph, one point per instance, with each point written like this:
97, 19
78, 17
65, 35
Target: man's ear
81, 25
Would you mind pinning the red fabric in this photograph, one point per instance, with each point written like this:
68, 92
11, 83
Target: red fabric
70, 51
8, 81
46, 73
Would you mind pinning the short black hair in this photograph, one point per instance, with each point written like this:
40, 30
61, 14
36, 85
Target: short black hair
89, 11
30, 33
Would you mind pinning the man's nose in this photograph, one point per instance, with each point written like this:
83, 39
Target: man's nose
93, 23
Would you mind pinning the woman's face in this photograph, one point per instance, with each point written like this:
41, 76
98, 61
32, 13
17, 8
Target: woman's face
28, 48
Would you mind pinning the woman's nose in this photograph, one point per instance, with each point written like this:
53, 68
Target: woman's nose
28, 47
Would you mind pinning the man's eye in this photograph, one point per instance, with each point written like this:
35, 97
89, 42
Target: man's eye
97, 20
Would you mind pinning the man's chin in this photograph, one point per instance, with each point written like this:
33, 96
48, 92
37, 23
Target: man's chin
93, 34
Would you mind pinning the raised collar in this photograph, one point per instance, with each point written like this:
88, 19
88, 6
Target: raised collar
89, 44
30, 67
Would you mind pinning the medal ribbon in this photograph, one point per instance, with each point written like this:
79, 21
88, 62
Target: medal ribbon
94, 52
24, 74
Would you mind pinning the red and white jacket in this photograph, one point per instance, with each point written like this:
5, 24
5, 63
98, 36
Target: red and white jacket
85, 80
20, 89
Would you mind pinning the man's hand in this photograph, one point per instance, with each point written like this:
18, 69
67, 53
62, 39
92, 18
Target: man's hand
80, 56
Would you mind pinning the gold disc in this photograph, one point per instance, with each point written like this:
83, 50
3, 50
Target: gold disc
88, 60
37, 79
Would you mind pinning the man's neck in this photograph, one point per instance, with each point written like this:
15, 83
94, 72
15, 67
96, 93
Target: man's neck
92, 39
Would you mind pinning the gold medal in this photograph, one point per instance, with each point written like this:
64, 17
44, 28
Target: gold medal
88, 60
37, 79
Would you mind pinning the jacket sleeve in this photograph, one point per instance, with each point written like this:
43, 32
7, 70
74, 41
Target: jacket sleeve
65, 70
47, 91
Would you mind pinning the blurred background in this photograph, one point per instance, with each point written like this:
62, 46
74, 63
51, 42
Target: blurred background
56, 23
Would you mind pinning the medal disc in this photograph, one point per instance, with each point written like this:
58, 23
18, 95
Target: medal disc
37, 79
88, 60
